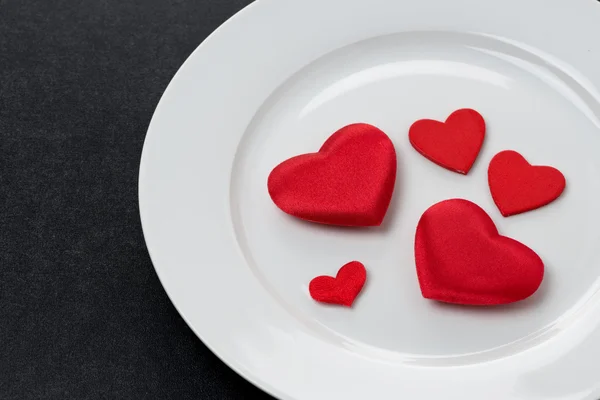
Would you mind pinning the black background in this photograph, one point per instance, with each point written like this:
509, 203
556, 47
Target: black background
82, 313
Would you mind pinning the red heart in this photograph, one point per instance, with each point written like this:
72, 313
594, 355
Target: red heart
349, 182
462, 259
454, 144
518, 186
342, 289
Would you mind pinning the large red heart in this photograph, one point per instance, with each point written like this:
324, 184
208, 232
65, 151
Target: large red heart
453, 144
342, 289
518, 186
349, 182
462, 259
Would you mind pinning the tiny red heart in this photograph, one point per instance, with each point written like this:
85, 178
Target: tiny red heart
348, 182
517, 186
342, 289
461, 258
453, 144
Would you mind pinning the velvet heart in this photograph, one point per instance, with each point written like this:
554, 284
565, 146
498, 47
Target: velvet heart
461, 258
348, 182
517, 186
342, 289
454, 144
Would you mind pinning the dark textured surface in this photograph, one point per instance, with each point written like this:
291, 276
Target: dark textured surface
82, 313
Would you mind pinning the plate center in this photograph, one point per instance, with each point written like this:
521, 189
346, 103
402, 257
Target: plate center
390, 82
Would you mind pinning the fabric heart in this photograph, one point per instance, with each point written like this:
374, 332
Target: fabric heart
342, 289
349, 182
454, 144
517, 186
461, 258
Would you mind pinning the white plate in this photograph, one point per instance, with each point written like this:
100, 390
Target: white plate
275, 81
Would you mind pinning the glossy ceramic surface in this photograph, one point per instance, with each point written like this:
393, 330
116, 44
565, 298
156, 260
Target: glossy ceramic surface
275, 81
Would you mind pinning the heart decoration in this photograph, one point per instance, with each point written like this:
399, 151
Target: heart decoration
343, 289
453, 144
348, 182
517, 186
461, 258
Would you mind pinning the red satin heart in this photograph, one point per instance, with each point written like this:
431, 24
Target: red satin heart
349, 182
342, 289
454, 144
462, 259
518, 186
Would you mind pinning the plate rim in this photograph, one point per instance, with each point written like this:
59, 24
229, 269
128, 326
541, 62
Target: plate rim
238, 369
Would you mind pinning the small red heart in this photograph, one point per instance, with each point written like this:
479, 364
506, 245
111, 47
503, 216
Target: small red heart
453, 144
461, 258
349, 182
342, 289
518, 186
